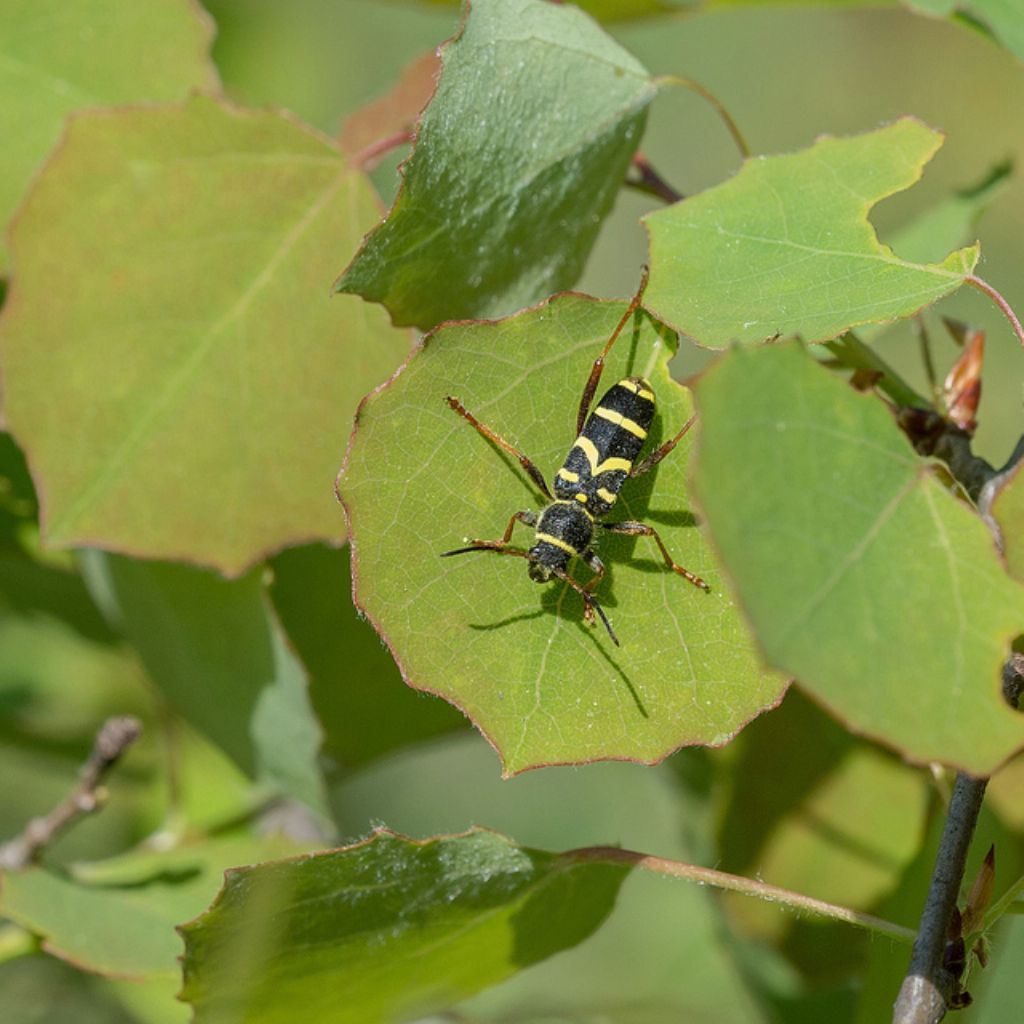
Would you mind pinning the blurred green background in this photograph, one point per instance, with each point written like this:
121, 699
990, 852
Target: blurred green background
668, 952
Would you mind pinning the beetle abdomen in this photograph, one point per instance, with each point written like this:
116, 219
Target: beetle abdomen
602, 456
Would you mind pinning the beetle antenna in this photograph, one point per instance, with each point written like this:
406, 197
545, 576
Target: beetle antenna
499, 547
589, 601
463, 551
607, 624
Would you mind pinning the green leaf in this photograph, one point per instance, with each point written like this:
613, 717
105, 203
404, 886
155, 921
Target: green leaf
386, 928
117, 917
953, 220
785, 247
1003, 20
362, 704
57, 57
220, 657
862, 577
209, 378
681, 955
505, 190
1008, 510
948, 223
542, 686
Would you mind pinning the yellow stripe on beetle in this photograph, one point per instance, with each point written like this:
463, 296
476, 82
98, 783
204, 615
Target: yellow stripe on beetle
569, 476
643, 392
557, 542
606, 496
589, 449
621, 421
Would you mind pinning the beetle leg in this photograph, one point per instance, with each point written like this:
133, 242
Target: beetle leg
634, 529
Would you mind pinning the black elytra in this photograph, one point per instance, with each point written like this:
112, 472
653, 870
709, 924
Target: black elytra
587, 485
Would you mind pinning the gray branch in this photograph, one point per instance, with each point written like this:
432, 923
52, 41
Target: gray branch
928, 986
113, 739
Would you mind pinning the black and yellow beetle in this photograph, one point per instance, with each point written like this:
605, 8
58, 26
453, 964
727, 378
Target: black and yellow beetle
602, 458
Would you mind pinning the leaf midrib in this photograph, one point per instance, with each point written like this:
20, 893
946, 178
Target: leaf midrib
118, 460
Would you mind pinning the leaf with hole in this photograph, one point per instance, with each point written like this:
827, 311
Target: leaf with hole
862, 577
785, 247
517, 658
185, 392
506, 189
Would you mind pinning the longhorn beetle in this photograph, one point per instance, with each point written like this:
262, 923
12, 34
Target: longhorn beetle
586, 487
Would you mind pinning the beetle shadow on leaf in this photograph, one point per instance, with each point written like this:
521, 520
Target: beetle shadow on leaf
680, 518
509, 620
552, 598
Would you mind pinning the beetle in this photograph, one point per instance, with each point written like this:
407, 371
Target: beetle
603, 457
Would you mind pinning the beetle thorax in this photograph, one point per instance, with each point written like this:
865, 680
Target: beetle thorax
563, 530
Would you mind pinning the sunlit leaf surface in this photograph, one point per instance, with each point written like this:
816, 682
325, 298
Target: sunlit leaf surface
516, 657
785, 247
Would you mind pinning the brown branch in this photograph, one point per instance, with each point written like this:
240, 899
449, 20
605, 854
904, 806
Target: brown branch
649, 181
113, 739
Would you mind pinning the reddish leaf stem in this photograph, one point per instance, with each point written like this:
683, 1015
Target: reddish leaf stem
736, 883
651, 182
984, 286
369, 157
